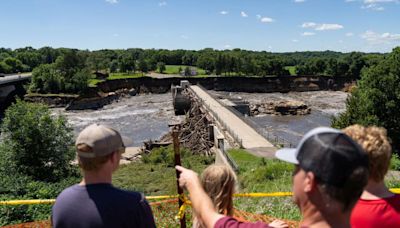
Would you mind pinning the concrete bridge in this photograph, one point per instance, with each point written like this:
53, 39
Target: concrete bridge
229, 127
11, 86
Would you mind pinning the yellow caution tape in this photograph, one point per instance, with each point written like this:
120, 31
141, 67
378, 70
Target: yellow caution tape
182, 208
185, 200
395, 190
27, 202
162, 197
261, 194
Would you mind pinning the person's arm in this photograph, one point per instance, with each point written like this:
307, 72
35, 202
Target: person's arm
201, 203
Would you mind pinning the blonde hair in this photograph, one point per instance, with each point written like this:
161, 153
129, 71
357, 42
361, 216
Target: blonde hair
219, 182
90, 164
375, 142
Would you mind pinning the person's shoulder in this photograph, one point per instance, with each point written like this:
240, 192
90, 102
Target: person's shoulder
132, 195
68, 191
396, 197
226, 222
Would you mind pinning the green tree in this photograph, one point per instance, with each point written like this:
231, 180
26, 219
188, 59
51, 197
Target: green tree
35, 143
45, 79
143, 66
207, 62
187, 71
161, 67
376, 100
15, 64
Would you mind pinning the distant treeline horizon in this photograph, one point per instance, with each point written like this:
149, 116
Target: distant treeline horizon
66, 67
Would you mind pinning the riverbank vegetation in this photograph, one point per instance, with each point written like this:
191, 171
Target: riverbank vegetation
376, 100
35, 155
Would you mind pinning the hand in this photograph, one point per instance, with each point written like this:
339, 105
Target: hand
278, 224
187, 177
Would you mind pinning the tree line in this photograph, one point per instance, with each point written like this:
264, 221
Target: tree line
66, 70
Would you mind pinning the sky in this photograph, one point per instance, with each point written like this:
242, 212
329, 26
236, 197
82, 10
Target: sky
261, 25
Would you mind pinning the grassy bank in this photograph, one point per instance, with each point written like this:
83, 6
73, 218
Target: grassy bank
174, 69
155, 175
264, 175
291, 69
113, 76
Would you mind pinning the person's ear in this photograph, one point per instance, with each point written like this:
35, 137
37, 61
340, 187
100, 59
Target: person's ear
114, 157
309, 182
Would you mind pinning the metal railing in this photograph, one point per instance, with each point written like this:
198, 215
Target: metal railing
219, 119
274, 139
230, 160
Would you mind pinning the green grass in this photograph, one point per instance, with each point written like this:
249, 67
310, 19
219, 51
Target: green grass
124, 75
155, 175
174, 69
113, 76
93, 82
264, 175
291, 69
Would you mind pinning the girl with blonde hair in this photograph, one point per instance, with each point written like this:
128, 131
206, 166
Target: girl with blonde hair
219, 182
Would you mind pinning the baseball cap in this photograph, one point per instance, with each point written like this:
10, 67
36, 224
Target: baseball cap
102, 139
329, 153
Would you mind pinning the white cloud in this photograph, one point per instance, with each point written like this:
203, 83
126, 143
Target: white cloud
376, 38
349, 34
223, 12
227, 46
243, 14
115, 34
379, 1
299, 1
321, 27
184, 37
295, 41
309, 25
308, 34
112, 1
375, 5
258, 16
266, 20
163, 3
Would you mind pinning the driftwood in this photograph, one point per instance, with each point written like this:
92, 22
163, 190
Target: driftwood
193, 134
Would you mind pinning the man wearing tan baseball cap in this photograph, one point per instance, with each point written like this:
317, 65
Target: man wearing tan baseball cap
95, 202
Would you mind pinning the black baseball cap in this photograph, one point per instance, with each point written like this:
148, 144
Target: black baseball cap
329, 153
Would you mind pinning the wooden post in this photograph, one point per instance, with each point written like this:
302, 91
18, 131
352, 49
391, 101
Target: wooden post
175, 137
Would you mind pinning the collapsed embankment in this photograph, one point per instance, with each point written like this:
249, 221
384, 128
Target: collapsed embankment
110, 90
232, 84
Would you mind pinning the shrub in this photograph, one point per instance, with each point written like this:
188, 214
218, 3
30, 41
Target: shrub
395, 162
35, 144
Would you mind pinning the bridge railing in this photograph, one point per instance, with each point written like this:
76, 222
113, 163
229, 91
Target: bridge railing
274, 139
219, 120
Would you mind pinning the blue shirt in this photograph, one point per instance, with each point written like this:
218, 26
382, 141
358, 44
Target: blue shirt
101, 205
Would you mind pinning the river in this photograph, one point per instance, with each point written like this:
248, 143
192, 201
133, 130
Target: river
324, 105
145, 117
138, 118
